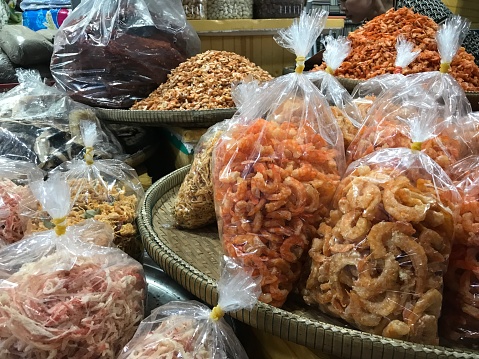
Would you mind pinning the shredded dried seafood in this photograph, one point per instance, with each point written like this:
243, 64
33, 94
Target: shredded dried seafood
87, 311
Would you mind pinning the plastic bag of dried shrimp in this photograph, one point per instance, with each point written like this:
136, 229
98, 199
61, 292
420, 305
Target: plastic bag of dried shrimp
194, 204
428, 108
367, 91
107, 190
191, 330
16, 200
344, 109
276, 169
61, 297
460, 318
378, 260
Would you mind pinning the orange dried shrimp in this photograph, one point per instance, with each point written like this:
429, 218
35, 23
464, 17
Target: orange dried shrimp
460, 320
387, 133
272, 184
378, 259
373, 49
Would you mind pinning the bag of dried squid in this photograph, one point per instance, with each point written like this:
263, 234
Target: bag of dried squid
61, 297
367, 91
107, 190
399, 113
194, 205
378, 260
16, 200
191, 329
342, 105
276, 169
460, 318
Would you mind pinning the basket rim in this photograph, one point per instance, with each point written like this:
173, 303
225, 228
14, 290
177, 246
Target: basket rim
326, 337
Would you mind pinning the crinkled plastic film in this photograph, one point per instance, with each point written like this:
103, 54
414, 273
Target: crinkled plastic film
365, 92
112, 53
342, 105
40, 123
436, 95
275, 171
107, 190
460, 317
406, 116
63, 297
190, 329
16, 199
379, 259
194, 204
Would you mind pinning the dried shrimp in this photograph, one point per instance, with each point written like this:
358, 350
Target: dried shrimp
273, 182
374, 53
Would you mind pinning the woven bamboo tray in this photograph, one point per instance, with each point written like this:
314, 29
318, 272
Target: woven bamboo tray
192, 259
193, 118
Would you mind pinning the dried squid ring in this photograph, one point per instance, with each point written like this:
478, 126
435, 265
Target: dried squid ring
365, 195
353, 228
403, 203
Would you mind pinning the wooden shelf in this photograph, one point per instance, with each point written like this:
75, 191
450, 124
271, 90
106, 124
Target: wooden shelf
236, 27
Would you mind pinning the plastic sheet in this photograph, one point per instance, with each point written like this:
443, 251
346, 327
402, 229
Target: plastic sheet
112, 53
379, 258
275, 170
190, 329
62, 297
40, 123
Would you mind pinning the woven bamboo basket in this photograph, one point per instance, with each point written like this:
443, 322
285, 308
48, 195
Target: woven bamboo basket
191, 257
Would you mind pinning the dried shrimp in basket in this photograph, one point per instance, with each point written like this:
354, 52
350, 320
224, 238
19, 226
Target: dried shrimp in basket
378, 260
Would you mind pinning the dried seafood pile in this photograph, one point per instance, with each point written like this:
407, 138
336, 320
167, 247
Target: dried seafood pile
373, 49
202, 82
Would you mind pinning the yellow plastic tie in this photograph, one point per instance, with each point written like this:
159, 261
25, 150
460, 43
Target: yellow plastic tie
445, 67
300, 64
217, 313
416, 146
60, 225
329, 70
88, 155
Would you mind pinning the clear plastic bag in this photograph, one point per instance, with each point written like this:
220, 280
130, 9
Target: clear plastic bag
379, 258
16, 199
424, 111
460, 318
194, 204
344, 109
43, 123
276, 168
367, 91
106, 190
62, 297
191, 329
112, 53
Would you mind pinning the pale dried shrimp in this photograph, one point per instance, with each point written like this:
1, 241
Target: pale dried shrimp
373, 49
273, 183
378, 260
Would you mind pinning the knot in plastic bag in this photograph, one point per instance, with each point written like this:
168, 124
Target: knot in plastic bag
60, 225
444, 69
88, 157
300, 64
329, 70
398, 70
217, 313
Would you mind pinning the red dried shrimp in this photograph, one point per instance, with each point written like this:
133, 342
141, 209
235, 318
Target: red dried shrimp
272, 184
374, 53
